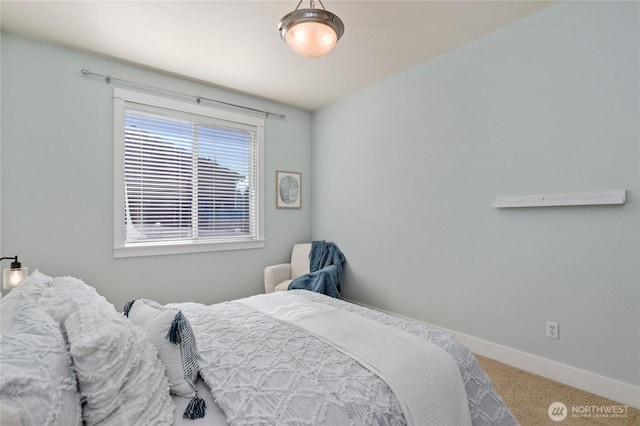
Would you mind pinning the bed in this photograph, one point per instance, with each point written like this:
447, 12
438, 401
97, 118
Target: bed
296, 357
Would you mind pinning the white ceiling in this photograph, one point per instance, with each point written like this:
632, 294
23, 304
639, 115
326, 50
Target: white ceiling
235, 44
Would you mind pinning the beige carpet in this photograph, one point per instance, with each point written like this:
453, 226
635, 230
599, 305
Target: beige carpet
529, 396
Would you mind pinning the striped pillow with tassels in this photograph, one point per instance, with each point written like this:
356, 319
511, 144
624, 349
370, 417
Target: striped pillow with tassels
170, 332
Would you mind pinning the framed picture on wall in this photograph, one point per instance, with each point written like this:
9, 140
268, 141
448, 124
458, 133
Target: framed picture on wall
288, 190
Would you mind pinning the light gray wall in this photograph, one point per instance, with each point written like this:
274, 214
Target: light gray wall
404, 174
57, 180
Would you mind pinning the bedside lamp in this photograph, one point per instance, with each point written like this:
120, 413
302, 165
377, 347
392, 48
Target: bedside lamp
13, 276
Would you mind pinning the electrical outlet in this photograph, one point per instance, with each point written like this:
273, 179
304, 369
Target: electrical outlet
553, 330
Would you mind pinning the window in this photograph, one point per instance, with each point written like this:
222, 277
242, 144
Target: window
187, 177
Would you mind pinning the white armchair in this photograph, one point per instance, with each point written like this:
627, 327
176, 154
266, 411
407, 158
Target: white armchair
278, 277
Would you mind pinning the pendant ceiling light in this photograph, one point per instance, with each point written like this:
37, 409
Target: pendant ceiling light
311, 32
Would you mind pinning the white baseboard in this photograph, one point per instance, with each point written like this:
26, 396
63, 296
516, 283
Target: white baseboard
614, 390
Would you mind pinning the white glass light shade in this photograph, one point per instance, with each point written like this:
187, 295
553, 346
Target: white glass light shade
311, 39
311, 32
13, 277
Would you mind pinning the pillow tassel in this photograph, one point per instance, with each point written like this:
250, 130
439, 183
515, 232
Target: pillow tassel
175, 332
195, 409
127, 308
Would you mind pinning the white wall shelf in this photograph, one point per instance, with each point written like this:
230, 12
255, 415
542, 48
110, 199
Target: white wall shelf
571, 199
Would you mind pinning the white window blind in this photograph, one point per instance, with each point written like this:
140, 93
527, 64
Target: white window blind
189, 179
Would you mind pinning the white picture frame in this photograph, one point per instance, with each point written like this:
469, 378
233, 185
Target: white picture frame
288, 190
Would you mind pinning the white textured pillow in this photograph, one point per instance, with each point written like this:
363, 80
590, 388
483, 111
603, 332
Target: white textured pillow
66, 295
120, 377
7, 309
170, 332
38, 279
119, 374
33, 286
37, 385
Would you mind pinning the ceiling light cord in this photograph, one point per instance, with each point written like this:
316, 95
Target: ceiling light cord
312, 3
108, 79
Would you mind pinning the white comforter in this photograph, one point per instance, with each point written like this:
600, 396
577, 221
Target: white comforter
423, 376
264, 369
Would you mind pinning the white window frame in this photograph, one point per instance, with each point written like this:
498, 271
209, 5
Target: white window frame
121, 247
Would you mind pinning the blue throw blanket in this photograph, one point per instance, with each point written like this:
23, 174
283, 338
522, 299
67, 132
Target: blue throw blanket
325, 266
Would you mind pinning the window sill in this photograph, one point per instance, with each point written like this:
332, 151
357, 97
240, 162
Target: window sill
173, 247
